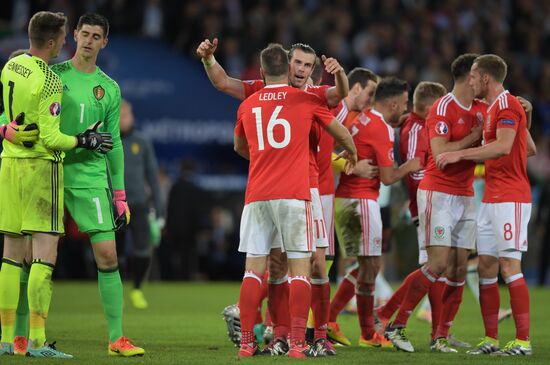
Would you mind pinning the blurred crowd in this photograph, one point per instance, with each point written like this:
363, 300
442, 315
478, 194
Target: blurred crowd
415, 39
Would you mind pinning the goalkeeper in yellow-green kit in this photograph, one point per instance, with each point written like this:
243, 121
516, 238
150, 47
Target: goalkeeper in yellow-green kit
31, 176
94, 183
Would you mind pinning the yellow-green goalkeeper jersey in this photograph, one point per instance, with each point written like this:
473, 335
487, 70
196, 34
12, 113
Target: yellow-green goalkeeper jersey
29, 86
87, 98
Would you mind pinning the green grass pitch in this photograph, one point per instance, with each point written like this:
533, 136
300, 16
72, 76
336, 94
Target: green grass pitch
184, 326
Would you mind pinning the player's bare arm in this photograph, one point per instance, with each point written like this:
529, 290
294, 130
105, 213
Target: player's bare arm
240, 145
336, 93
342, 137
531, 146
390, 175
365, 169
501, 146
215, 72
441, 144
528, 107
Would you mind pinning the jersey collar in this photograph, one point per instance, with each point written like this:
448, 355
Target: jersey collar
458, 103
272, 86
378, 114
498, 97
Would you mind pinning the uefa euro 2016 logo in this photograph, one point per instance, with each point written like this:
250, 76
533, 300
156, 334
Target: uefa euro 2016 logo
441, 128
55, 109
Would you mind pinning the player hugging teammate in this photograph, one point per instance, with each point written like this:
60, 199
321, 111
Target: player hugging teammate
477, 121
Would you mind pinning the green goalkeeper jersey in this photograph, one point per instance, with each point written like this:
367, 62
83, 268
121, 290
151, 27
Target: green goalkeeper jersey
29, 86
87, 98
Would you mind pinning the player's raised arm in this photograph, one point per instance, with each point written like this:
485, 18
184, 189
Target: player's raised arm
215, 72
336, 93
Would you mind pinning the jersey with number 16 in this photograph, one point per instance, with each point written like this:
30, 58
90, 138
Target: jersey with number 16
87, 98
276, 122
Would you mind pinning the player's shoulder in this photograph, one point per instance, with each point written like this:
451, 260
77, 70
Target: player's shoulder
505, 101
375, 123
109, 81
254, 83
315, 88
414, 119
303, 96
510, 101
443, 105
61, 67
52, 83
340, 111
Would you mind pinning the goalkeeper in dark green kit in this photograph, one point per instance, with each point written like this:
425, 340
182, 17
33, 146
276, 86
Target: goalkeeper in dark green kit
90, 95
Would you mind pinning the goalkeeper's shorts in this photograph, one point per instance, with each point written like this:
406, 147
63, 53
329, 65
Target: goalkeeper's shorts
31, 196
92, 210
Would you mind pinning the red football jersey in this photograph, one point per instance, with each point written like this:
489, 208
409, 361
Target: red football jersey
276, 123
252, 86
449, 119
506, 177
326, 147
414, 142
374, 139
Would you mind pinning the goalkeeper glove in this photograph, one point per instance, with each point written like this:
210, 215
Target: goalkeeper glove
13, 132
93, 140
122, 210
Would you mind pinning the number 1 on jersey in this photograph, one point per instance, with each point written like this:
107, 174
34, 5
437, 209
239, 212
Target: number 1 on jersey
11, 85
81, 113
98, 207
273, 121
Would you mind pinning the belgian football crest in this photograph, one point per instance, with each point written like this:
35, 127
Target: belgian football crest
99, 92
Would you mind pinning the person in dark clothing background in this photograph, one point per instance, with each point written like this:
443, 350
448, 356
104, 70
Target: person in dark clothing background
142, 187
187, 204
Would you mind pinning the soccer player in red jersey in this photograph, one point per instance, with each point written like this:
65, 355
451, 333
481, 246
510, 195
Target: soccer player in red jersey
362, 84
506, 206
446, 208
302, 60
357, 214
414, 142
272, 130
361, 96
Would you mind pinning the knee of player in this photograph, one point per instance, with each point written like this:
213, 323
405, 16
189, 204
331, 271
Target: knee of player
318, 268
106, 259
509, 267
438, 267
460, 271
277, 269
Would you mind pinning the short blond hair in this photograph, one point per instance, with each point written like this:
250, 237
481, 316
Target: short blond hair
427, 92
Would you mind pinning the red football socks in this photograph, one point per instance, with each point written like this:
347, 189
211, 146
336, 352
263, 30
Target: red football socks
435, 295
519, 300
393, 304
320, 305
344, 293
452, 297
249, 301
300, 299
278, 292
489, 301
421, 280
365, 308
